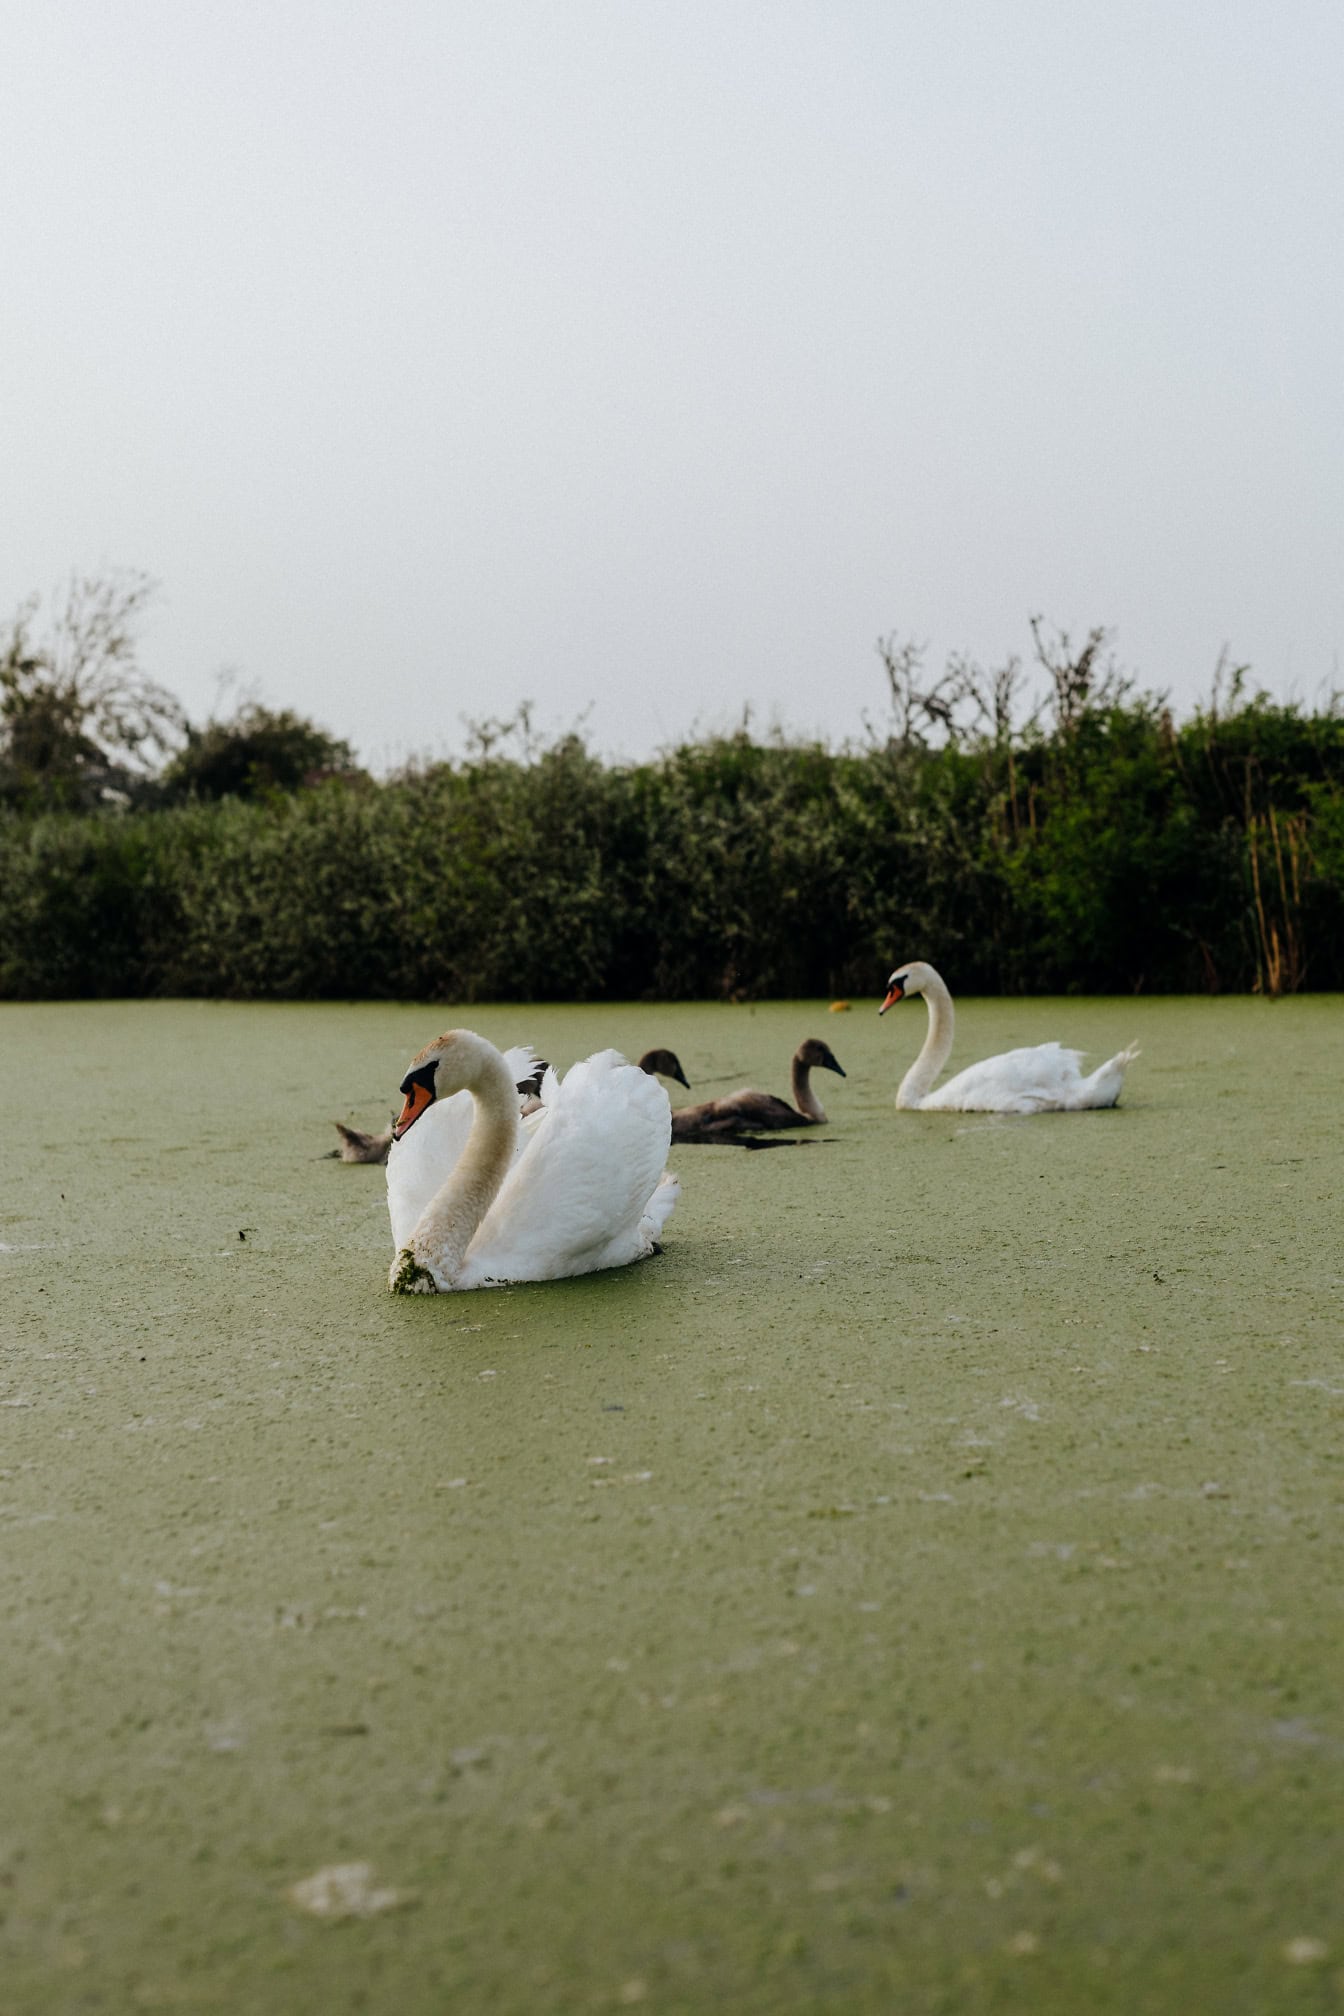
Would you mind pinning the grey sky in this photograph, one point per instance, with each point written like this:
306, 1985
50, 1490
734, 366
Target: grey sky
663, 356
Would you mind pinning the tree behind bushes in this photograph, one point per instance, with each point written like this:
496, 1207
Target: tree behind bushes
255, 751
81, 725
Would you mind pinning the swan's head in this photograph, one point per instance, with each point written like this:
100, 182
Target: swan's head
909, 979
818, 1056
443, 1067
664, 1064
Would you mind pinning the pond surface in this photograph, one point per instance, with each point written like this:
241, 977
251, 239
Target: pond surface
919, 1588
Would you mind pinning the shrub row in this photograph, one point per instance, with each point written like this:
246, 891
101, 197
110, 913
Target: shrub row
1117, 853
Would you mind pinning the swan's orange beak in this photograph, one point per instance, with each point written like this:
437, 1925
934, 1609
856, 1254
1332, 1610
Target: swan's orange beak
897, 994
418, 1097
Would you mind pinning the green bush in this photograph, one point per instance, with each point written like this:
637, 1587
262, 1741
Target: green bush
1114, 853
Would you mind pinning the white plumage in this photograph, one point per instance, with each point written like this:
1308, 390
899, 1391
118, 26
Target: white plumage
1044, 1078
420, 1163
580, 1185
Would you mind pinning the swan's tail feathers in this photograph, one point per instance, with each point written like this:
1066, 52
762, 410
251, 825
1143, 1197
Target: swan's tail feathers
356, 1146
1122, 1059
1105, 1085
658, 1210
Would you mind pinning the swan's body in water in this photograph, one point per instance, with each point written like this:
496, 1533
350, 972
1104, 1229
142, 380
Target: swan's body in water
1043, 1079
748, 1112
357, 1146
484, 1196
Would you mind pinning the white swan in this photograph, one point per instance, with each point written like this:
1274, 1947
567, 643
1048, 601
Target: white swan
1043, 1079
357, 1146
577, 1187
420, 1163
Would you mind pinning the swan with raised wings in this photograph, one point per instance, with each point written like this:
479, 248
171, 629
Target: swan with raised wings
357, 1146
1044, 1078
578, 1186
748, 1112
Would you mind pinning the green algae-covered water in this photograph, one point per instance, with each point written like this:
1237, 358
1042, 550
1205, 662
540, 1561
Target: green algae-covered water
918, 1589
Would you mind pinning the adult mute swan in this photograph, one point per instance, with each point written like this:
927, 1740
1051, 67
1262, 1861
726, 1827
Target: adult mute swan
1043, 1079
357, 1146
748, 1112
578, 1186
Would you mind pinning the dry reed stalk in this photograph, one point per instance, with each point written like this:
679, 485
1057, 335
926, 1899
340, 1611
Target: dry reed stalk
1280, 959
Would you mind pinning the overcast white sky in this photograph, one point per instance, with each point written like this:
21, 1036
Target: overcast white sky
659, 355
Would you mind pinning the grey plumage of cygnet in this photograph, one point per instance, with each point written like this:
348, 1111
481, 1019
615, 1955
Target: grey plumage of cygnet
739, 1115
664, 1064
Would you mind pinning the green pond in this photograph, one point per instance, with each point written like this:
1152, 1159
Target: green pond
917, 1589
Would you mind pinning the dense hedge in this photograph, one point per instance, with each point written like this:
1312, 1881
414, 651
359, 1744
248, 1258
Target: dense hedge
1118, 852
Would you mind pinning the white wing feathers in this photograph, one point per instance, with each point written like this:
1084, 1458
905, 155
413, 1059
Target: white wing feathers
1044, 1078
587, 1190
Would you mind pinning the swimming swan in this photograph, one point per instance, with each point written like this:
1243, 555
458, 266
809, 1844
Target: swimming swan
748, 1112
577, 1187
357, 1146
421, 1163
1042, 1079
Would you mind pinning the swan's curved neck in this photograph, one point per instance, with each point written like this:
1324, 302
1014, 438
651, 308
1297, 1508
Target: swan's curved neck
919, 1079
804, 1098
452, 1219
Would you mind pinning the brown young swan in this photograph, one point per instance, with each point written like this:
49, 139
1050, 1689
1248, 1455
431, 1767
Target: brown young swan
664, 1064
748, 1112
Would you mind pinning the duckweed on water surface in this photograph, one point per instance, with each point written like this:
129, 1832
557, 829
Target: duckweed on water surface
917, 1589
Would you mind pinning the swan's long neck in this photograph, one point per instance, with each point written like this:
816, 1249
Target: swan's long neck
919, 1079
451, 1221
804, 1098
